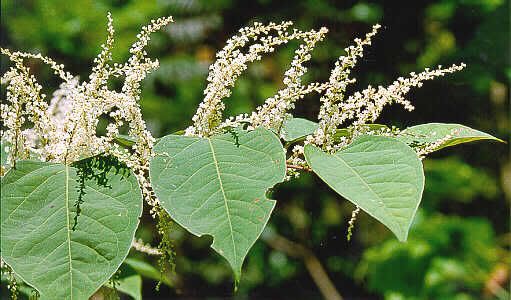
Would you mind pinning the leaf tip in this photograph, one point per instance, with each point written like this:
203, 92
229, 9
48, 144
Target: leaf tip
402, 237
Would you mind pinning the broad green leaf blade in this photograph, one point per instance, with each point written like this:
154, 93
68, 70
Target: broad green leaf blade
432, 132
296, 128
37, 219
381, 175
217, 186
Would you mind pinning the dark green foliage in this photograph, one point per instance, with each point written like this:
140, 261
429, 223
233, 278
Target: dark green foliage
445, 258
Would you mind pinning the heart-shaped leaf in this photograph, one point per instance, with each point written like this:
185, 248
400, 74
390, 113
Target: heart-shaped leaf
432, 132
65, 255
217, 186
381, 175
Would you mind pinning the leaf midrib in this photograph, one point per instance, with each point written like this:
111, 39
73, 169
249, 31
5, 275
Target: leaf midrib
225, 199
338, 157
68, 231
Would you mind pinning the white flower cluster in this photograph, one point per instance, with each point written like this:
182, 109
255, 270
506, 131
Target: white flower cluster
232, 61
365, 106
330, 111
336, 108
273, 112
25, 104
66, 129
139, 245
351, 222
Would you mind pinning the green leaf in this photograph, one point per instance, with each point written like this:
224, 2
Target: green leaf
217, 186
432, 132
296, 128
381, 175
3, 154
129, 285
125, 140
374, 127
38, 216
342, 132
348, 132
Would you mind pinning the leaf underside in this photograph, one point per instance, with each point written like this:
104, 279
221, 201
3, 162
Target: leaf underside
217, 186
381, 175
38, 215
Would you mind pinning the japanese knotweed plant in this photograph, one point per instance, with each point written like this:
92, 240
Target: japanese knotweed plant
71, 198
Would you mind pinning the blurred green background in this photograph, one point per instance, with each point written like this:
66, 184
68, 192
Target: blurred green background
459, 247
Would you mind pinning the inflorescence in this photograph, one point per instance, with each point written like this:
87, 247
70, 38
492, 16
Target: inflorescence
337, 108
64, 129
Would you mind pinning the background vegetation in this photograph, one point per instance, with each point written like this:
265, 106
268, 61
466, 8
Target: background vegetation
459, 247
